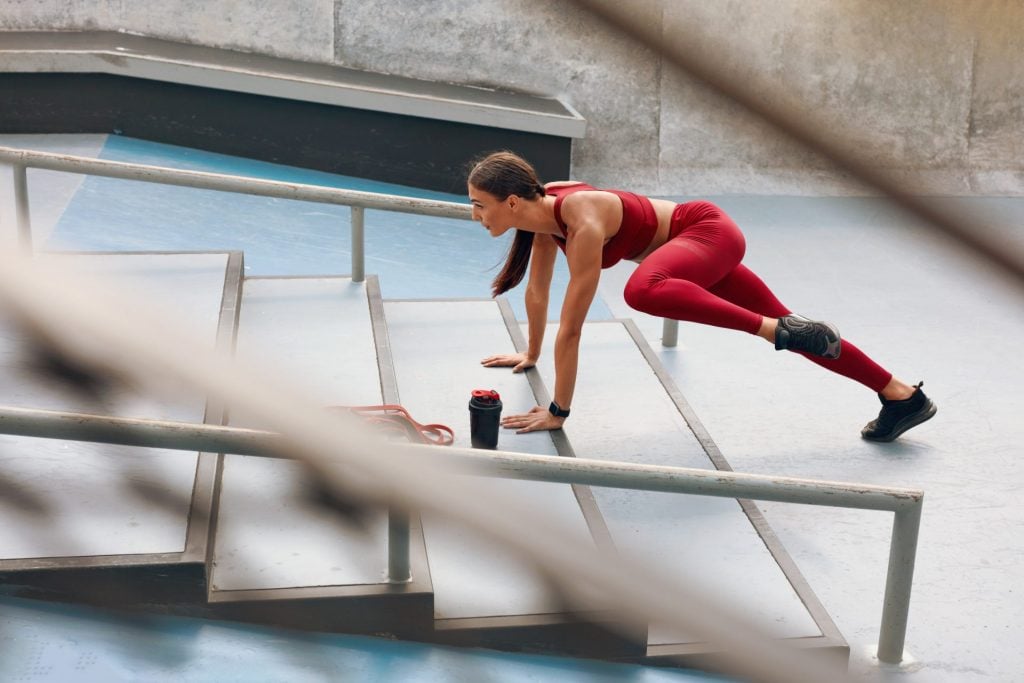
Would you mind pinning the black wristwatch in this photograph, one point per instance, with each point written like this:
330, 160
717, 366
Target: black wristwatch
557, 410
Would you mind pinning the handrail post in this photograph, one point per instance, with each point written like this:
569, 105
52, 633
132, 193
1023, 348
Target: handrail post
902, 552
358, 245
399, 569
669, 332
21, 207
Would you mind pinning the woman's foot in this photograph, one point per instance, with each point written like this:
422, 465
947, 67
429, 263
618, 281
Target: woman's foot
897, 416
797, 333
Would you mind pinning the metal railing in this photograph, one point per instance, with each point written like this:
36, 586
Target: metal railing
358, 202
906, 504
21, 159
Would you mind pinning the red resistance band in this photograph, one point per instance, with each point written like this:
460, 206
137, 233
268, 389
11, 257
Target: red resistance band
396, 422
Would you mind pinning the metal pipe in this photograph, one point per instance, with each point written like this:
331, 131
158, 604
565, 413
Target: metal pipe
358, 244
906, 503
669, 332
896, 607
504, 464
694, 481
125, 431
229, 183
21, 207
399, 566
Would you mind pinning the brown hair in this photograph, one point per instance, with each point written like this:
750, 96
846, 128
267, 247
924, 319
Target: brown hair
503, 174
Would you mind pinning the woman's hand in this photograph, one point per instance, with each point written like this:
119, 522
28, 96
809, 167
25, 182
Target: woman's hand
538, 419
518, 361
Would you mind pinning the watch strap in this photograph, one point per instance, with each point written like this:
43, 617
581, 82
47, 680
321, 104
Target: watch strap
557, 410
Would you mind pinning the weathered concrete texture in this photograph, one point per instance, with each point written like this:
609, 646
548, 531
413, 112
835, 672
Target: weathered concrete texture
893, 79
710, 145
997, 107
24, 15
931, 90
300, 29
905, 84
527, 45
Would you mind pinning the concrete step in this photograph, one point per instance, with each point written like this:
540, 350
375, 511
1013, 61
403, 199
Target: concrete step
111, 524
483, 594
627, 408
279, 556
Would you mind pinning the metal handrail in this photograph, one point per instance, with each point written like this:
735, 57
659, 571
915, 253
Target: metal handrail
906, 504
21, 159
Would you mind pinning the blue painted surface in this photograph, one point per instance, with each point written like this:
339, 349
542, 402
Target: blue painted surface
56, 643
416, 257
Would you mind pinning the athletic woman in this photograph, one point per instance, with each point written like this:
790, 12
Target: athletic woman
689, 269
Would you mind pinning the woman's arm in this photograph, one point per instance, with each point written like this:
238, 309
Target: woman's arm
542, 267
583, 251
538, 288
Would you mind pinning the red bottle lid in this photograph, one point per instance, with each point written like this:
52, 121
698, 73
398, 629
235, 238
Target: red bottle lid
486, 394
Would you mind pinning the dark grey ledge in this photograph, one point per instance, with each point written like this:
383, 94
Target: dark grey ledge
124, 54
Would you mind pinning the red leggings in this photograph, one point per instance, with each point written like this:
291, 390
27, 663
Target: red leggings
697, 276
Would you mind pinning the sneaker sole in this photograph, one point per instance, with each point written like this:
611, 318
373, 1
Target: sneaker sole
906, 423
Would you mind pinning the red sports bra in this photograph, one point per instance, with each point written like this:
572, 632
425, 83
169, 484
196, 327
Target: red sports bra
639, 223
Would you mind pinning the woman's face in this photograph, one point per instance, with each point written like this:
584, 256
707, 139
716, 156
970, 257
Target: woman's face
493, 213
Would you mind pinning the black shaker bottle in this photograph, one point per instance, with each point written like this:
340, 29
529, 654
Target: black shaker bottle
484, 418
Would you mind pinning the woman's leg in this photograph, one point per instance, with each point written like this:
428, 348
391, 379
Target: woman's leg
903, 406
697, 276
744, 288
674, 281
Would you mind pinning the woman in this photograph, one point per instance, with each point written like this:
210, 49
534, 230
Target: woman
689, 269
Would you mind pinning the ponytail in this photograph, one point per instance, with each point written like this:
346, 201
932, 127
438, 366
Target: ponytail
503, 174
515, 263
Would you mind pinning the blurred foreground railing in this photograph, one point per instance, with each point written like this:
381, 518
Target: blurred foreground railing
904, 503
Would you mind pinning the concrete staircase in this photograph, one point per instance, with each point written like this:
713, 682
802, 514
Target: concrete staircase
241, 538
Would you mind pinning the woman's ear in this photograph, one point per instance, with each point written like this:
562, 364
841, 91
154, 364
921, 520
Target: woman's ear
513, 201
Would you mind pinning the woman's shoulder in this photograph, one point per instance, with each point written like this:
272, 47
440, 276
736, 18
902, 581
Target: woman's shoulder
563, 183
590, 206
582, 193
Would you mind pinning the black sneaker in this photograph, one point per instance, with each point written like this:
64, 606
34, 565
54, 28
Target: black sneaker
797, 333
899, 416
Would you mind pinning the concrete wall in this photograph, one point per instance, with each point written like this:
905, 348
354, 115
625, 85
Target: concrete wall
930, 89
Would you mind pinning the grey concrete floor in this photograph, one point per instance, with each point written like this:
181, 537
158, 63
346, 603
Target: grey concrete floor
922, 309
